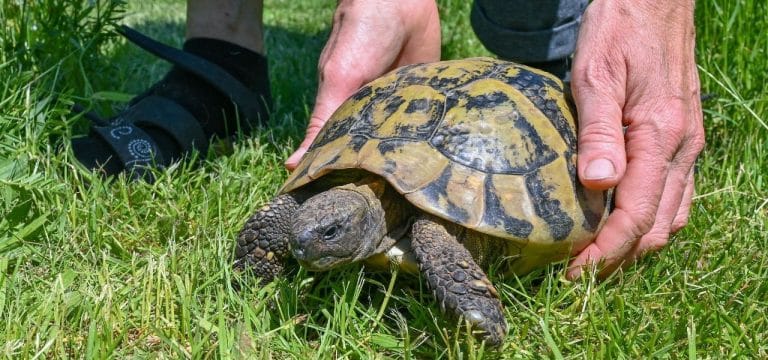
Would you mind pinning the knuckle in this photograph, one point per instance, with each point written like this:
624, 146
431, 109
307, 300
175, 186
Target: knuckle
682, 135
673, 127
697, 141
692, 144
666, 122
315, 124
596, 74
671, 113
329, 69
586, 78
643, 218
315, 127
600, 132
339, 74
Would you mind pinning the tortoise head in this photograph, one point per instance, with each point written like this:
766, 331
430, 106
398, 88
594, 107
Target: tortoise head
338, 226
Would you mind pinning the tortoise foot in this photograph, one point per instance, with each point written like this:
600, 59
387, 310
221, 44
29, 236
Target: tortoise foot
459, 284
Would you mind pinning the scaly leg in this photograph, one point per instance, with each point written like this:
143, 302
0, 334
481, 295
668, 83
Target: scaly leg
263, 244
459, 284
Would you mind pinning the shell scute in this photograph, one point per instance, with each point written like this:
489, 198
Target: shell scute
383, 118
494, 128
455, 193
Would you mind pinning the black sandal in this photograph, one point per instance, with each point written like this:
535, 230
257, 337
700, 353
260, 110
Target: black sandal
125, 134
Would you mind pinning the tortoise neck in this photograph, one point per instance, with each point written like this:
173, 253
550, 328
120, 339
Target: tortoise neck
397, 212
390, 211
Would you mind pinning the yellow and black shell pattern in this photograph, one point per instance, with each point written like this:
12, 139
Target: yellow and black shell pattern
484, 143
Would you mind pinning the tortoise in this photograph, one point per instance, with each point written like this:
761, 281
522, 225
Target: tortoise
442, 169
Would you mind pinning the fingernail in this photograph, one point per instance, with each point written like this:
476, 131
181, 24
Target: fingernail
600, 169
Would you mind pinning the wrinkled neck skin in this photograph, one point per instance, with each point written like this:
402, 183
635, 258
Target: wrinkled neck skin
348, 223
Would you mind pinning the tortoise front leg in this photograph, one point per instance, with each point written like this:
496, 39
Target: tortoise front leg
459, 284
263, 243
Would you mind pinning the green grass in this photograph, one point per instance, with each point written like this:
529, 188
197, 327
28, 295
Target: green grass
90, 269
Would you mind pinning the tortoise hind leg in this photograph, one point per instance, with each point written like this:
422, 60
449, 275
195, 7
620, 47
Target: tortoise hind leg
263, 243
459, 284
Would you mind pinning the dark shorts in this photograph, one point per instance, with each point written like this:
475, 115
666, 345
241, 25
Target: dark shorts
528, 31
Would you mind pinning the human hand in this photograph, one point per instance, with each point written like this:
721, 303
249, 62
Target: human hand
368, 39
634, 66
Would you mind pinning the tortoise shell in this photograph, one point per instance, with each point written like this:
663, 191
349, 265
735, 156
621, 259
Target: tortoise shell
487, 144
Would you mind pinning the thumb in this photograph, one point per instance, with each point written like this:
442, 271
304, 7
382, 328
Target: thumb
602, 156
330, 95
319, 116
313, 129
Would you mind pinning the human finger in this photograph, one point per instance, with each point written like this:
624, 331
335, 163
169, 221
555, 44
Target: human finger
636, 201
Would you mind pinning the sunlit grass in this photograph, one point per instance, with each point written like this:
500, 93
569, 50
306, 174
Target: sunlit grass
91, 269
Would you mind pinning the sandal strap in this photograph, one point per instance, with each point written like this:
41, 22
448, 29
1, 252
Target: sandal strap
248, 102
134, 148
172, 118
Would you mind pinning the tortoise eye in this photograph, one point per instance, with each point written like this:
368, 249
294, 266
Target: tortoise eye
330, 232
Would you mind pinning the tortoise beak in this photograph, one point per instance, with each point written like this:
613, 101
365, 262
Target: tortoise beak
305, 247
300, 240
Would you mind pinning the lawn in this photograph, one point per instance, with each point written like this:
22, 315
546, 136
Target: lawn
97, 269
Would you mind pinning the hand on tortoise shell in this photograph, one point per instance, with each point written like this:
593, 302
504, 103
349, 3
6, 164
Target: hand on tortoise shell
368, 39
634, 66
